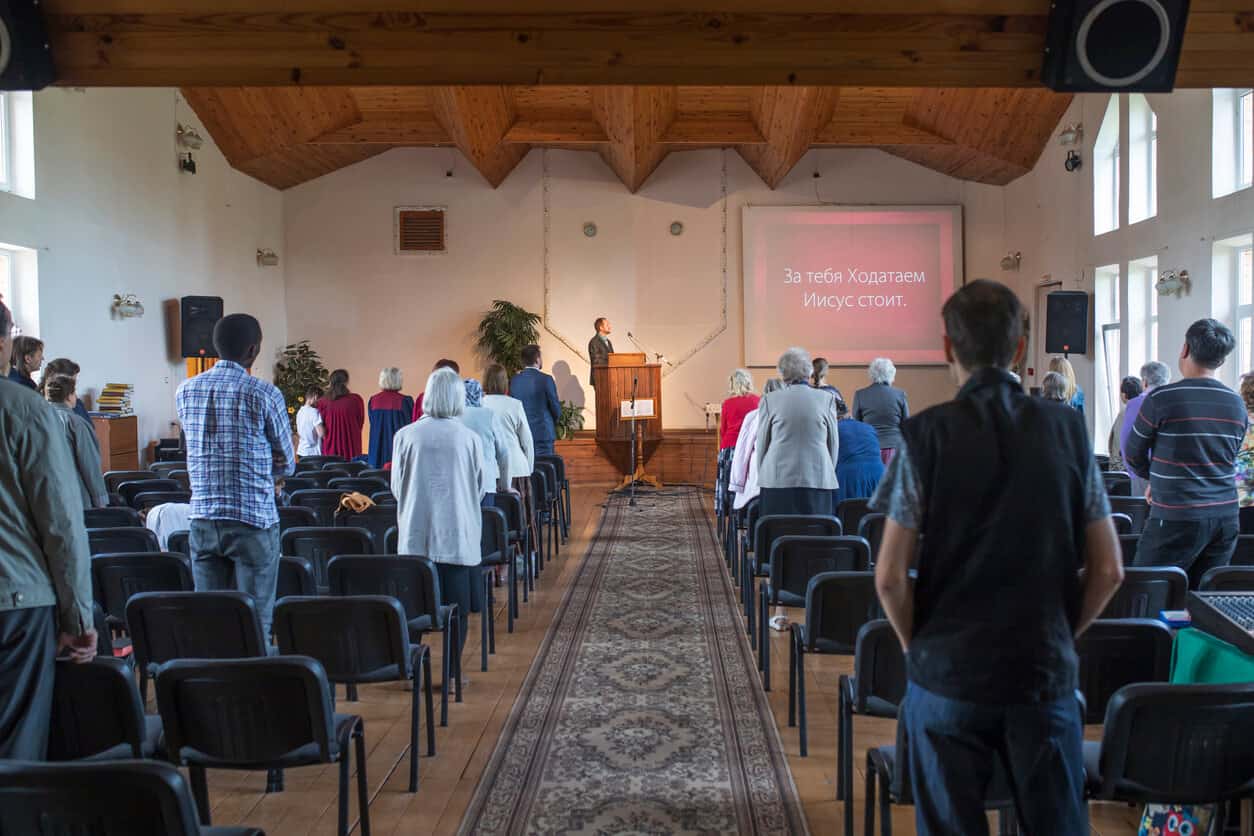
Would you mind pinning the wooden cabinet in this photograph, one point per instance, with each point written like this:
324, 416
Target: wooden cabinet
119, 442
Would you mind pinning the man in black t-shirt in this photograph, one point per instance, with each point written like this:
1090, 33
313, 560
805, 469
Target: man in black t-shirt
995, 499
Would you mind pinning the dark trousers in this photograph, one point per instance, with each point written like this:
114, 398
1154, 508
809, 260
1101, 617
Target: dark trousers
28, 649
456, 583
795, 501
543, 448
221, 548
953, 748
1196, 546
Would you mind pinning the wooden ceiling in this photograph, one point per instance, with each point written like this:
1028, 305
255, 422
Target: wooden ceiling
287, 135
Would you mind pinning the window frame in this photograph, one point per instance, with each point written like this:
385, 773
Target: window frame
1243, 142
6, 141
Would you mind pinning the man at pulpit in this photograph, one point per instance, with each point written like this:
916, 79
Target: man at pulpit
599, 347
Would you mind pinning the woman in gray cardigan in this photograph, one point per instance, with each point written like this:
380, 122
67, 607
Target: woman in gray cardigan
59, 390
883, 406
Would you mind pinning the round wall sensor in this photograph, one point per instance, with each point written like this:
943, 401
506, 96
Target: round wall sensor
677, 228
590, 229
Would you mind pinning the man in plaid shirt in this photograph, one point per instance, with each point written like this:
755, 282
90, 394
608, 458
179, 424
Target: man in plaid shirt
238, 443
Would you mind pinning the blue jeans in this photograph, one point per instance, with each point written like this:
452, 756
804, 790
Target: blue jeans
953, 748
223, 548
543, 448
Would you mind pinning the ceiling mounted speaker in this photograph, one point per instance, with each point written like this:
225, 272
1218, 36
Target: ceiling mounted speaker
1114, 45
25, 54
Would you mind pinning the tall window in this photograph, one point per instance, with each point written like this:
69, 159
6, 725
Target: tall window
1232, 135
1232, 300
1245, 138
1106, 319
6, 144
1245, 308
6, 278
1142, 313
1142, 159
1106, 172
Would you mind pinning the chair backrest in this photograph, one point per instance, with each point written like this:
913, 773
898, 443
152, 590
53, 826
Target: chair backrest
879, 665
1243, 555
1135, 507
1123, 523
559, 465
359, 484
773, 526
183, 478
1127, 545
321, 543
121, 540
837, 605
1117, 484
322, 501
539, 489
118, 517
129, 490
95, 708
164, 469
1146, 591
1118, 652
244, 712
851, 511
549, 472
511, 505
377, 473
296, 516
494, 536
1182, 744
411, 580
321, 478
383, 498
795, 559
296, 577
180, 542
391, 540
376, 520
107, 798
351, 468
357, 638
1247, 519
871, 529
1228, 579
316, 462
193, 625
115, 478
116, 577
300, 483
150, 499
752, 512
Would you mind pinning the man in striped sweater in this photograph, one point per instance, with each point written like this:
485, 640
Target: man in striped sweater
1185, 442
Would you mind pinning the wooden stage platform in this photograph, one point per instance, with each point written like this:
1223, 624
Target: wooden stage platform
682, 456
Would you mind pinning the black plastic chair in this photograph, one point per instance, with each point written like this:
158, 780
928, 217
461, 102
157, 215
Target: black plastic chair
1247, 519
876, 689
851, 511
360, 639
1176, 744
1123, 524
391, 539
1243, 554
118, 798
296, 577
148, 500
376, 473
183, 478
281, 715
838, 604
1148, 590
519, 537
765, 532
794, 561
119, 517
494, 551
1135, 507
1228, 579
1117, 484
321, 478
164, 469
115, 478
744, 546
180, 542
871, 529
546, 506
116, 577
358, 484
130, 490
351, 468
323, 502
1117, 652
376, 520
296, 516
415, 583
300, 483
1127, 547
97, 714
121, 541
561, 488
316, 462
383, 498
321, 543
191, 625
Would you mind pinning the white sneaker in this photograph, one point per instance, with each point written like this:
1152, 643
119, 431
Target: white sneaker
779, 623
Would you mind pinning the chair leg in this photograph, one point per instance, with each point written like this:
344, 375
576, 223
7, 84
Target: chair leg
350, 692
343, 810
446, 666
753, 636
802, 729
363, 786
274, 780
792, 680
869, 830
457, 662
200, 792
143, 688
886, 807
413, 729
483, 623
511, 573
492, 617
765, 642
844, 756
526, 585
426, 670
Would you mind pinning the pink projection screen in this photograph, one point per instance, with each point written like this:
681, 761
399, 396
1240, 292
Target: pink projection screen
849, 283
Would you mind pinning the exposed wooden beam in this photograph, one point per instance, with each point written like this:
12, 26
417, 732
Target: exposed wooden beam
251, 122
1009, 125
477, 119
790, 118
567, 131
396, 128
716, 132
635, 119
300, 163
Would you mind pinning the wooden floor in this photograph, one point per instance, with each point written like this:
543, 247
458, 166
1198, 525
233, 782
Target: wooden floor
308, 805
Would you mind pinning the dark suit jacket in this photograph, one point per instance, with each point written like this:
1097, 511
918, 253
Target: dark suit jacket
538, 394
598, 353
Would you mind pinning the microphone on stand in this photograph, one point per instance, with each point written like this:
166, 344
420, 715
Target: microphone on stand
661, 358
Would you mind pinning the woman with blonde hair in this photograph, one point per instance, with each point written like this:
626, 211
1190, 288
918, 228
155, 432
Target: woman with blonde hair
740, 401
1074, 395
389, 411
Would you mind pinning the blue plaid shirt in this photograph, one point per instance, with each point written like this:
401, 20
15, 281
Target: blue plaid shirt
236, 425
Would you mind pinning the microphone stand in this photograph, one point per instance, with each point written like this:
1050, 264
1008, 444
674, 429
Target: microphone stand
635, 380
659, 358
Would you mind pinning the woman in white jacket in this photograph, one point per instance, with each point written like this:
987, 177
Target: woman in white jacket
513, 420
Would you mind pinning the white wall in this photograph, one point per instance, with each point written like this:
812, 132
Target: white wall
114, 215
364, 307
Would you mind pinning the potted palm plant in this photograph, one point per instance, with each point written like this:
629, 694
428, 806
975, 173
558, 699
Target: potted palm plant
504, 331
297, 368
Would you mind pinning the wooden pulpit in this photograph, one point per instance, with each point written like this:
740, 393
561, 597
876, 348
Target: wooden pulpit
614, 382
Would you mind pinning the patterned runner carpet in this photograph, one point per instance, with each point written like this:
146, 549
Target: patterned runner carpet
642, 712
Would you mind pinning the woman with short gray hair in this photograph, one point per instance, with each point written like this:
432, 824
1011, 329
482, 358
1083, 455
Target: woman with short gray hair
389, 411
883, 406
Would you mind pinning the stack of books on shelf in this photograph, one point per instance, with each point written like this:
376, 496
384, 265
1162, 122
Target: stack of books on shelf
115, 401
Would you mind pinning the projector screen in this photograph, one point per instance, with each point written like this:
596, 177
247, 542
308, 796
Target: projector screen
849, 283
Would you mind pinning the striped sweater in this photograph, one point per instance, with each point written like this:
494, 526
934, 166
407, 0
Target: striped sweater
1185, 441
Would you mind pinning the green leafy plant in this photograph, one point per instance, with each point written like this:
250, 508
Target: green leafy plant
571, 421
503, 333
297, 368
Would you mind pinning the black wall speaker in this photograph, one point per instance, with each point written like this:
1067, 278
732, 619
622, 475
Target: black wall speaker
25, 54
1121, 45
197, 316
1067, 322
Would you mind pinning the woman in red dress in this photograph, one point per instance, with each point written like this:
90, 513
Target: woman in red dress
344, 416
